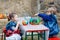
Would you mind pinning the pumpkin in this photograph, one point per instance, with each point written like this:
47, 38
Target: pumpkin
2, 16
24, 22
35, 21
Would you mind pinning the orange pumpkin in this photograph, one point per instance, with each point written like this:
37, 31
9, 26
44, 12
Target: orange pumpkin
24, 22
2, 16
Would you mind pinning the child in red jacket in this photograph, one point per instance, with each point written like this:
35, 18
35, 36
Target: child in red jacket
12, 32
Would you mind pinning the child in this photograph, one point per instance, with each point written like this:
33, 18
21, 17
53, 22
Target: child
12, 27
50, 21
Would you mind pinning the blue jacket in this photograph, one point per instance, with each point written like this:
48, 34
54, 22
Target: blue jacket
10, 26
50, 21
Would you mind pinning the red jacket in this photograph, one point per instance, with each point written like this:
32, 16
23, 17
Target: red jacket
9, 32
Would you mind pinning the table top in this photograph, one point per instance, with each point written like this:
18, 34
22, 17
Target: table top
30, 28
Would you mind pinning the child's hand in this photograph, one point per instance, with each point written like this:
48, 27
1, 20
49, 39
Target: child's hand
17, 26
18, 23
36, 14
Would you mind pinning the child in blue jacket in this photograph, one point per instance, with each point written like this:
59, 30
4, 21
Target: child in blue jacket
50, 21
11, 28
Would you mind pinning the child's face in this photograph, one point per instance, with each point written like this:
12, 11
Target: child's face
48, 12
15, 18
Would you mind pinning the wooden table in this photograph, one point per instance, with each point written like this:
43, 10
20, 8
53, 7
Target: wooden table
35, 28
